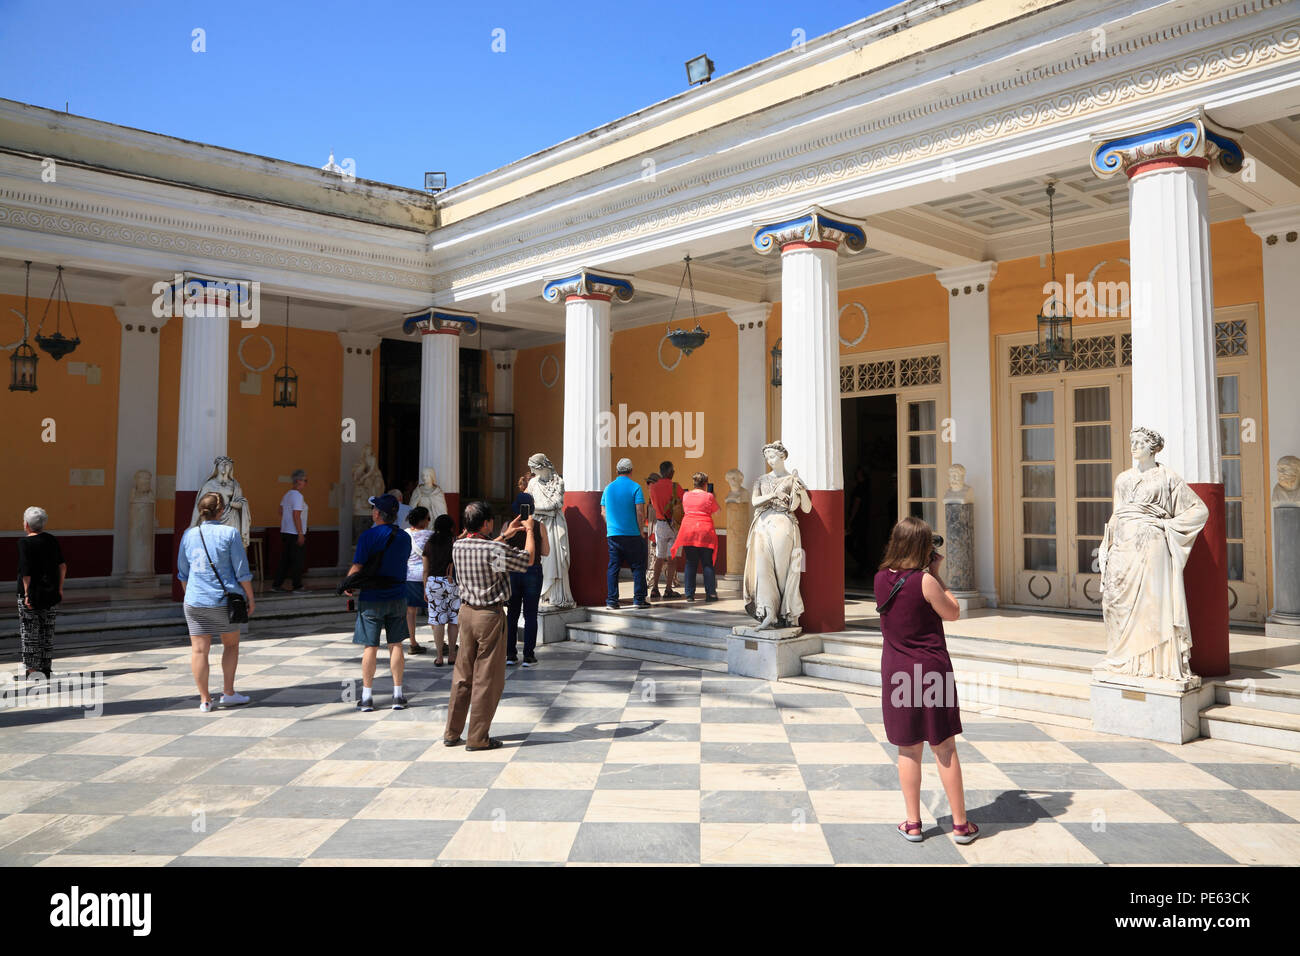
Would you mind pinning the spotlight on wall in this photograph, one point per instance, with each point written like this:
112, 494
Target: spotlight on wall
435, 182
699, 70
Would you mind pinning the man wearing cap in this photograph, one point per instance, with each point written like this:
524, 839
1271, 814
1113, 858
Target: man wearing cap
622, 505
382, 608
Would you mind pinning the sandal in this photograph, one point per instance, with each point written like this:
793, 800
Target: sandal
437, 662
906, 828
964, 833
419, 649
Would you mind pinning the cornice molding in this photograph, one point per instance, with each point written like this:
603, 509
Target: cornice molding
1274, 222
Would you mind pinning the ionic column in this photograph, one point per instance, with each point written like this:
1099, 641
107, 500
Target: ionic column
357, 354
1279, 233
970, 393
440, 331
1174, 389
810, 410
137, 427
587, 296
503, 403
751, 393
208, 306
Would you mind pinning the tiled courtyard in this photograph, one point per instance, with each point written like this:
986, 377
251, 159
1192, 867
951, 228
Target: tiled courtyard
607, 759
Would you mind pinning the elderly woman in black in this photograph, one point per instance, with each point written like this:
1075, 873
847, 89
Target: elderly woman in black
41, 571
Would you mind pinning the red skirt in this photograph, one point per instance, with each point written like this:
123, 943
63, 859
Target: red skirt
696, 532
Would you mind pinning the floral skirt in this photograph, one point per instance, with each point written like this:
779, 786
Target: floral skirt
443, 597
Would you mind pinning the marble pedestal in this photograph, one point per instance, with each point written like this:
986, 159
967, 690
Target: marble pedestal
1285, 619
553, 622
958, 568
140, 580
769, 654
1148, 708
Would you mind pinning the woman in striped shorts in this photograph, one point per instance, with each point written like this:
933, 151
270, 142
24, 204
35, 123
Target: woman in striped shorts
212, 555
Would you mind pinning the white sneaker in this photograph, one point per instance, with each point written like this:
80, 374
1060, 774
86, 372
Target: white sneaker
233, 700
207, 706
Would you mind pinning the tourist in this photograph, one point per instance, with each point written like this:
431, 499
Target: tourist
381, 604
293, 534
482, 568
403, 509
913, 604
650, 479
665, 507
698, 538
210, 563
622, 506
418, 528
441, 595
41, 571
525, 592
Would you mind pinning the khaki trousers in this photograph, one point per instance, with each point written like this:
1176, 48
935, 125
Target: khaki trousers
480, 675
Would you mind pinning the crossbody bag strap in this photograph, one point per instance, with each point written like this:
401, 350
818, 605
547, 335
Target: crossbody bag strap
211, 563
898, 586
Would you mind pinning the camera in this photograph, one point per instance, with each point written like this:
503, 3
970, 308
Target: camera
938, 543
525, 510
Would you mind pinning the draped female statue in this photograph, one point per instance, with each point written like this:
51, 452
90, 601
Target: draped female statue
236, 512
547, 489
774, 557
1143, 552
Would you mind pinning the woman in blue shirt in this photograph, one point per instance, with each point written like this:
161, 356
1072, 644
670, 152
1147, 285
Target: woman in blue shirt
212, 554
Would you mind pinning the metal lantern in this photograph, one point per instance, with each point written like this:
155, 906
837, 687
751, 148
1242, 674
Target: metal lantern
1055, 326
285, 389
776, 364
58, 344
688, 340
22, 364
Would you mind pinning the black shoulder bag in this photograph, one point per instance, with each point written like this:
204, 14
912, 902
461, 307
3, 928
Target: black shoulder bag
369, 578
898, 586
236, 604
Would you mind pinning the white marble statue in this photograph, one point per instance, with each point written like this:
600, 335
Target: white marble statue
367, 482
139, 544
235, 510
958, 490
547, 489
1143, 552
774, 556
1286, 493
738, 512
428, 494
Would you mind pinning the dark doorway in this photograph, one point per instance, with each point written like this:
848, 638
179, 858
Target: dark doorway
870, 430
398, 443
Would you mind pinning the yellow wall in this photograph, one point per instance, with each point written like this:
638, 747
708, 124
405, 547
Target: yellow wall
85, 417
539, 411
903, 313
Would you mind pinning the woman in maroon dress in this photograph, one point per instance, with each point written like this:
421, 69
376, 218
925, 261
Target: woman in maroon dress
918, 692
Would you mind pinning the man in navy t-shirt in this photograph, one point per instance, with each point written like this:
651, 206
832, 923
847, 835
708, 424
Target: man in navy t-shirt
382, 608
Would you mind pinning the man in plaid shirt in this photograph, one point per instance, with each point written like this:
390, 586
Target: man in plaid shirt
482, 566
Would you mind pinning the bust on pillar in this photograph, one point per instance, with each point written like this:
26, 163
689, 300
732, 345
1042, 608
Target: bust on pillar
140, 551
959, 548
738, 511
1285, 619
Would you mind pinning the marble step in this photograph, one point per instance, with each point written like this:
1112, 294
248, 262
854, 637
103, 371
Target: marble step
1004, 658
695, 621
630, 635
1251, 725
1260, 690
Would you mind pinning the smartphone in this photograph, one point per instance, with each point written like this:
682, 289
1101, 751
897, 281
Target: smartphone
525, 510
710, 487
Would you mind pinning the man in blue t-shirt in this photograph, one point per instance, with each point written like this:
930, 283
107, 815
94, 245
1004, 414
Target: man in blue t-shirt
382, 608
622, 505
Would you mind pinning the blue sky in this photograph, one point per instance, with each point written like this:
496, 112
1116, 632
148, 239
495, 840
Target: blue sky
400, 88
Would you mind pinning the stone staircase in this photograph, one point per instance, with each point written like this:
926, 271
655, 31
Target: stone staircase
1260, 707
694, 636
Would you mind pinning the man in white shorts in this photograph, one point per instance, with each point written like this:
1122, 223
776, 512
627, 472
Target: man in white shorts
665, 498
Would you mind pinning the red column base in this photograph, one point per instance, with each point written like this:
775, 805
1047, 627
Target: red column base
588, 552
183, 511
822, 587
1206, 581
453, 508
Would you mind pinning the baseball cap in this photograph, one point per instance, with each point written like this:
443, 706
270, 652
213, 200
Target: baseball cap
386, 504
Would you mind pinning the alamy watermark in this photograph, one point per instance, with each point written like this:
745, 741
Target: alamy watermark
640, 429
67, 690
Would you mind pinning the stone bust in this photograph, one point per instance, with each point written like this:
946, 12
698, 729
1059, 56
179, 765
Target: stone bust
736, 482
1286, 493
428, 494
143, 486
958, 491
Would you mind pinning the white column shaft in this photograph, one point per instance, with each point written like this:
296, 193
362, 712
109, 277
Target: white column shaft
586, 392
751, 392
205, 380
440, 408
137, 417
1173, 318
1282, 325
357, 404
810, 344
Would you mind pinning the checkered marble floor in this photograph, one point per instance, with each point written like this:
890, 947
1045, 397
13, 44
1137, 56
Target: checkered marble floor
607, 759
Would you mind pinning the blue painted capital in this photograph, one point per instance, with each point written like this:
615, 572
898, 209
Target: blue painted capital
439, 320
813, 225
586, 282
1188, 136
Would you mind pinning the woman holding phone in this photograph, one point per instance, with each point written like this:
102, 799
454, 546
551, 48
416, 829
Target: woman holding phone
525, 587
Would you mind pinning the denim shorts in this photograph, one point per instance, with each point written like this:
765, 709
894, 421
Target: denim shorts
415, 594
376, 616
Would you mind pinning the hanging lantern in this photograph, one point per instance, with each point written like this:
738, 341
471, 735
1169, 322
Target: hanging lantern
58, 344
688, 340
776, 364
285, 389
1055, 326
22, 364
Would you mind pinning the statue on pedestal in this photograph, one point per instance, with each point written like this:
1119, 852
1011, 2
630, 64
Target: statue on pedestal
236, 513
427, 494
367, 482
1143, 552
547, 489
958, 490
140, 536
1286, 493
774, 557
1284, 621
959, 525
738, 512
